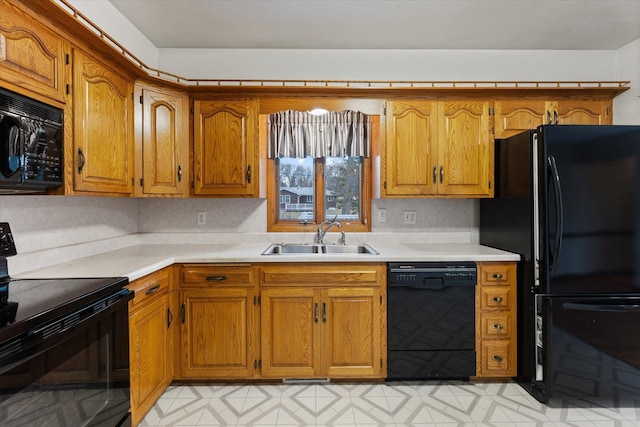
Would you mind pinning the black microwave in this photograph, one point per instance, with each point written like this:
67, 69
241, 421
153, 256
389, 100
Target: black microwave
31, 136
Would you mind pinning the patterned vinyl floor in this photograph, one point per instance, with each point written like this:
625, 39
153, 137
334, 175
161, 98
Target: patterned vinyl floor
417, 404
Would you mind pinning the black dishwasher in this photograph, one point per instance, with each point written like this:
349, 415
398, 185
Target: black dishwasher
431, 320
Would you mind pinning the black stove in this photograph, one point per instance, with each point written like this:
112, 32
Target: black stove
62, 337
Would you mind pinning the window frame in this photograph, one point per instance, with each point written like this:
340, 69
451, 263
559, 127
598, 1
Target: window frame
275, 225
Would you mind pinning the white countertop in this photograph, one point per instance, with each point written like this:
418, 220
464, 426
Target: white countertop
139, 260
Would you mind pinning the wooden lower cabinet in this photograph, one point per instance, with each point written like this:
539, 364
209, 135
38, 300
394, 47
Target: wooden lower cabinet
320, 320
219, 309
152, 334
496, 320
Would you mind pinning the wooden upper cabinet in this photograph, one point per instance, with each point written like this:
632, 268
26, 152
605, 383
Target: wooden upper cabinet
438, 149
162, 142
465, 148
102, 152
32, 57
411, 148
515, 116
226, 148
581, 112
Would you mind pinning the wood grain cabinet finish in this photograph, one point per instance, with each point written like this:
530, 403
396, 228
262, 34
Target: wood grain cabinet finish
320, 320
102, 153
219, 315
32, 57
161, 142
495, 320
225, 148
442, 148
152, 332
515, 116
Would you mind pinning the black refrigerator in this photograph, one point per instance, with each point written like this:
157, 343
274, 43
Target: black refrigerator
567, 199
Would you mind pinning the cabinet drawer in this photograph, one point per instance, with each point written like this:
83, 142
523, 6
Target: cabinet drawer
207, 276
496, 324
498, 358
343, 275
497, 273
495, 297
150, 287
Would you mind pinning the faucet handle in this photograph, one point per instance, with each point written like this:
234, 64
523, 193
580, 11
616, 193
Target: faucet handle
343, 238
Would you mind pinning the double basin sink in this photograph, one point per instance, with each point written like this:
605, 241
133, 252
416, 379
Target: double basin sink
317, 248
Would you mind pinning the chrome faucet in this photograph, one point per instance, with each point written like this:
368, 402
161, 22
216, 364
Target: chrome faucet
322, 230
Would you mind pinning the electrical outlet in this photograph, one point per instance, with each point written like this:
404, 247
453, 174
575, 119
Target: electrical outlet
409, 217
382, 215
202, 218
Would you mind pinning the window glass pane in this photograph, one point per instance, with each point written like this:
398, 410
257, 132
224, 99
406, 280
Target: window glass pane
296, 183
343, 179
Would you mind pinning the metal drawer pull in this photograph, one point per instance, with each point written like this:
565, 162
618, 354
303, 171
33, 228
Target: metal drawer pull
149, 291
324, 312
435, 175
497, 358
216, 278
169, 318
497, 299
498, 276
315, 313
497, 326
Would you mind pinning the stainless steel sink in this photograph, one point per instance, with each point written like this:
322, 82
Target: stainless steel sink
315, 248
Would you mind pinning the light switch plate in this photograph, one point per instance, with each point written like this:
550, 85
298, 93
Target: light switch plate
202, 218
382, 215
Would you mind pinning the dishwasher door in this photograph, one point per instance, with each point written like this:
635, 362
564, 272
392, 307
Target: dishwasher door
431, 326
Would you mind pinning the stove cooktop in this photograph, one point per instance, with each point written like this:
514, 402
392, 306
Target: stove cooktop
25, 303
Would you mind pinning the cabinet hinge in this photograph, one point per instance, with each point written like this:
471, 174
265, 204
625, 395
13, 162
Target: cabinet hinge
380, 299
489, 184
183, 313
493, 130
385, 185
381, 363
133, 181
385, 110
141, 99
66, 59
68, 89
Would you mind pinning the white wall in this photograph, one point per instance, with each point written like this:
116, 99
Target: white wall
626, 107
429, 65
109, 19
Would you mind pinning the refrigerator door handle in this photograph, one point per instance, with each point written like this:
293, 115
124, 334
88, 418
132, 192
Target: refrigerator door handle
601, 307
557, 192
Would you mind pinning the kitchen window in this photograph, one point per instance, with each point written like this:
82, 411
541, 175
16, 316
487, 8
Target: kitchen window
319, 170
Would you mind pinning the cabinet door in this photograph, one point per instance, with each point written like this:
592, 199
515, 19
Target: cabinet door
225, 148
151, 347
103, 128
162, 142
584, 112
465, 149
218, 333
351, 319
411, 157
290, 332
31, 56
515, 116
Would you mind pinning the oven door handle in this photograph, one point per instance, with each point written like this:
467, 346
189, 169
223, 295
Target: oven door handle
603, 307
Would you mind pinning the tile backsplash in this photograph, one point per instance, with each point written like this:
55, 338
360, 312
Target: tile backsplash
53, 229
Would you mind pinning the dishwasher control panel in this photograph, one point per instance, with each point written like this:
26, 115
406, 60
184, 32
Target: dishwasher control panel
408, 274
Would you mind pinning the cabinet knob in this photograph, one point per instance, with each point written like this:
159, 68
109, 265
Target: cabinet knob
497, 358
497, 276
498, 299
498, 326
